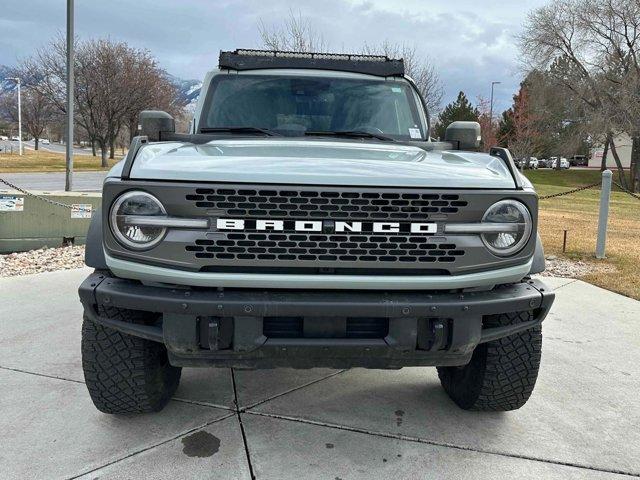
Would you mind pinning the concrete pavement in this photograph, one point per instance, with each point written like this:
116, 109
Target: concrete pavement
581, 422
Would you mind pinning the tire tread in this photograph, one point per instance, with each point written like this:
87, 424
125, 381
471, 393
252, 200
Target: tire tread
502, 373
123, 373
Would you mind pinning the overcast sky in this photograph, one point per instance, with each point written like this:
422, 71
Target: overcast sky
470, 42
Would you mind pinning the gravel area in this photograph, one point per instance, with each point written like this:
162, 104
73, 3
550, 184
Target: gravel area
64, 258
41, 260
562, 267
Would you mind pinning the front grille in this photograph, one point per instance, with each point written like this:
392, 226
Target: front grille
325, 248
360, 250
282, 327
314, 203
363, 327
305, 327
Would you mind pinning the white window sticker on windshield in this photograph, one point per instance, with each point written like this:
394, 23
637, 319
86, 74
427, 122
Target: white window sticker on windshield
414, 133
396, 89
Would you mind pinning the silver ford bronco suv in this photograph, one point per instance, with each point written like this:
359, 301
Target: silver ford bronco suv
308, 220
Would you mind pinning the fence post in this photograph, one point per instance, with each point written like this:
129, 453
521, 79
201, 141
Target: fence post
603, 217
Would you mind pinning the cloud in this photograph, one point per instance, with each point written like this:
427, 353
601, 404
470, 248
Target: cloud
470, 43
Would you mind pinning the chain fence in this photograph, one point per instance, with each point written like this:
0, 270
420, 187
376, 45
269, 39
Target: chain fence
569, 192
586, 187
627, 191
39, 197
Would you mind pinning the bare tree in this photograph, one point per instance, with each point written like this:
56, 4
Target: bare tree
296, 33
37, 112
590, 47
563, 123
420, 69
113, 83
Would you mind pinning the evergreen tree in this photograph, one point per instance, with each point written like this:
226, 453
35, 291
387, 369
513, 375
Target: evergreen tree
506, 128
461, 109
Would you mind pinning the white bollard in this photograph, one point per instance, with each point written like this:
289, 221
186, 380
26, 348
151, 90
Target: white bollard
603, 217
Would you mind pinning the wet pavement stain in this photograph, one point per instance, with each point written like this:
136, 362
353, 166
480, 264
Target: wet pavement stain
200, 444
399, 414
328, 445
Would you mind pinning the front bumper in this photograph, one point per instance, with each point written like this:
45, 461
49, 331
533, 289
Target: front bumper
235, 327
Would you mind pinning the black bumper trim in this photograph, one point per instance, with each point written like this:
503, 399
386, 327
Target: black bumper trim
251, 348
148, 332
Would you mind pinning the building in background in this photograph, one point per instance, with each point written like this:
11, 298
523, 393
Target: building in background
623, 147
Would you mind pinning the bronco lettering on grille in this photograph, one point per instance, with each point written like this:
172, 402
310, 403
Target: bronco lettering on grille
326, 226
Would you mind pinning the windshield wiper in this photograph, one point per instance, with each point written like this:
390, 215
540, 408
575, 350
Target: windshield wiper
353, 133
264, 131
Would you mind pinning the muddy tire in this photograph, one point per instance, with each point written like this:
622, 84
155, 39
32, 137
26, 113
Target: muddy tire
123, 373
502, 373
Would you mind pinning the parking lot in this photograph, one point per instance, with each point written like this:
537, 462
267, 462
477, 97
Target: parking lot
581, 423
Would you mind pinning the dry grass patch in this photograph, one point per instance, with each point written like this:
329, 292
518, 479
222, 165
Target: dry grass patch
45, 161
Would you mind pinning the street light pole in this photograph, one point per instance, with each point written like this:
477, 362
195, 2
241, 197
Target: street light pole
17, 80
493, 84
68, 184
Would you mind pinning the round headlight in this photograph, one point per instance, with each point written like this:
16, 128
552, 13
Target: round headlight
123, 226
516, 220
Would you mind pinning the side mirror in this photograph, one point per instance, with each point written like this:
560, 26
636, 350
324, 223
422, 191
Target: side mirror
152, 123
465, 134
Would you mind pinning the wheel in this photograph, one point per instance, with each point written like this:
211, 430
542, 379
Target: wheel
123, 373
502, 373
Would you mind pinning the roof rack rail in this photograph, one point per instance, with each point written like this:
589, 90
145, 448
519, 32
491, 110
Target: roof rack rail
248, 59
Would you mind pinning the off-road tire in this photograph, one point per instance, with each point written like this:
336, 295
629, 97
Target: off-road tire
502, 373
123, 373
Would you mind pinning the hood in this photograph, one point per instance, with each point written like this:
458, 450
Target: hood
319, 162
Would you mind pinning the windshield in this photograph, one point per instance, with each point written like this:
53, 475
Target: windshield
303, 105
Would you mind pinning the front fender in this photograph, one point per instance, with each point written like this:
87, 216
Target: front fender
94, 252
538, 257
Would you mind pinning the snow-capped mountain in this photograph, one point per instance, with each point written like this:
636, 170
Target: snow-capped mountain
188, 90
6, 85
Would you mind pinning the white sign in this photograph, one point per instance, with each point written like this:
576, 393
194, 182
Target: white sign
9, 203
415, 133
81, 210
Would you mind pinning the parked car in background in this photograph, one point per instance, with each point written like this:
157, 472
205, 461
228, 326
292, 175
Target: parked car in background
579, 161
543, 163
4, 137
527, 162
45, 141
564, 163
15, 139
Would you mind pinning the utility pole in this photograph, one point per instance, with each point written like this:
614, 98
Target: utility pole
493, 84
68, 184
17, 80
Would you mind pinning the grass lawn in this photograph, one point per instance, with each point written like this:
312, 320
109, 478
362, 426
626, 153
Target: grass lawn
578, 213
45, 161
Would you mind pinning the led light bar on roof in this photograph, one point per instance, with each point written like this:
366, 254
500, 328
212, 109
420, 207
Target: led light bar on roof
248, 59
